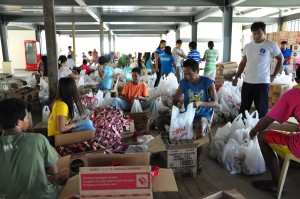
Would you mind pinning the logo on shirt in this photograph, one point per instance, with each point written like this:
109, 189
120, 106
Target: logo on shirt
195, 96
262, 51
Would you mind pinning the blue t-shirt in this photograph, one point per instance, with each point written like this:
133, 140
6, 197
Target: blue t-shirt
128, 74
194, 54
159, 52
166, 63
285, 54
197, 92
107, 81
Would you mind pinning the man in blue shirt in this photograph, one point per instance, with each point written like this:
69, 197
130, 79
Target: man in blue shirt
202, 93
194, 54
286, 52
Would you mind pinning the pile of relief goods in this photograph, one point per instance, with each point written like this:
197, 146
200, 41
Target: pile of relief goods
233, 148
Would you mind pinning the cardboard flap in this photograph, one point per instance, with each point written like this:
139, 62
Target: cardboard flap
70, 138
164, 182
139, 159
156, 145
71, 188
63, 162
202, 141
183, 146
228, 194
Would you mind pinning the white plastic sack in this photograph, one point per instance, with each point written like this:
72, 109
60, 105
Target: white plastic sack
136, 107
107, 99
168, 85
237, 123
80, 81
219, 141
254, 162
182, 124
31, 81
233, 157
99, 97
161, 108
251, 119
45, 114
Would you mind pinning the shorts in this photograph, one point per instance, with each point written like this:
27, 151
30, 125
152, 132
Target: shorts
278, 141
203, 120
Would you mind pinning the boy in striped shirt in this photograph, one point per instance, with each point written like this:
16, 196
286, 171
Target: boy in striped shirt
194, 54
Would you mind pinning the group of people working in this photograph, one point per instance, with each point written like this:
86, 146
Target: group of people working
33, 158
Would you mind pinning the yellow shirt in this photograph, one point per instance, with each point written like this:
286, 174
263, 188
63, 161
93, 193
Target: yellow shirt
59, 109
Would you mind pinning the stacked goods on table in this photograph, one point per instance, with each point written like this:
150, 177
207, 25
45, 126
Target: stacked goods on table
227, 69
75, 148
110, 122
276, 90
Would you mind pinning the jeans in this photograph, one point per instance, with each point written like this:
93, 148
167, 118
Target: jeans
126, 106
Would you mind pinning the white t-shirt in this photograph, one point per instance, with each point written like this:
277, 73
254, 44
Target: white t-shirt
177, 58
70, 63
64, 71
259, 57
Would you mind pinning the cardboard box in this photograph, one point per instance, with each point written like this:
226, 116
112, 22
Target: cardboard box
293, 34
227, 68
164, 182
278, 89
181, 158
295, 48
281, 34
270, 36
63, 170
76, 160
228, 194
142, 120
115, 182
27, 94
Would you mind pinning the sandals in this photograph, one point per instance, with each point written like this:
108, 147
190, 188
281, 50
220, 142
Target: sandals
266, 185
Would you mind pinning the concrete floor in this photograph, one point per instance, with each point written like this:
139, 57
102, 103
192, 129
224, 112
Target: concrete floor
214, 178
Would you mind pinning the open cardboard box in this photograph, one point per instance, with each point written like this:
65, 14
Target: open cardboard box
228, 194
77, 160
181, 158
164, 182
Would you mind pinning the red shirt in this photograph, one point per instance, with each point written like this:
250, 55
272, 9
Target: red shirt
86, 68
287, 106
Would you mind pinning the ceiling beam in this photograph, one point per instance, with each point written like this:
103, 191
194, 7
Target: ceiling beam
61, 32
40, 19
140, 32
268, 3
291, 17
234, 2
141, 35
21, 26
146, 19
37, 2
206, 13
267, 20
143, 27
152, 3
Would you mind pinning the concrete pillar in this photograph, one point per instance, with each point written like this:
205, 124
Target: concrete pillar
74, 46
109, 41
38, 38
3, 35
194, 31
50, 31
114, 43
101, 38
177, 34
227, 32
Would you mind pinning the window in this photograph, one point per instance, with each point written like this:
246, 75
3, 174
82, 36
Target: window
272, 28
293, 25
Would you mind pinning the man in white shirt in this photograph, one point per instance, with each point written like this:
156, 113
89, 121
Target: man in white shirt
256, 59
178, 55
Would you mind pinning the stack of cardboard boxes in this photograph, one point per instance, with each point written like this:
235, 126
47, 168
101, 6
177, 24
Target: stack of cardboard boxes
293, 39
225, 71
276, 90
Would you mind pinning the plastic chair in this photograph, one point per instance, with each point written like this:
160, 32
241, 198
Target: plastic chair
284, 170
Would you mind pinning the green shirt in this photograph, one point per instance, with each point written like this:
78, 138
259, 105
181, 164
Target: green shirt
123, 60
211, 58
23, 158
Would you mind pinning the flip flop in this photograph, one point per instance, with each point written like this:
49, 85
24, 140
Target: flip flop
266, 186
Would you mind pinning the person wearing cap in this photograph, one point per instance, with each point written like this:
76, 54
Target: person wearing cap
280, 142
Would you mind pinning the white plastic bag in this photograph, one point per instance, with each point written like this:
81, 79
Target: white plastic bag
107, 99
80, 81
99, 97
46, 113
233, 157
136, 107
250, 120
254, 162
161, 108
182, 124
237, 123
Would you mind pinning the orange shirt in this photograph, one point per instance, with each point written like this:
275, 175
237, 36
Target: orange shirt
131, 90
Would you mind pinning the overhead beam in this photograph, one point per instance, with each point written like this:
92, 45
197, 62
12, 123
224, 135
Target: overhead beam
154, 2
142, 27
140, 32
267, 20
268, 3
205, 14
21, 26
291, 17
80, 32
37, 3
39, 19
178, 19
234, 2
141, 35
